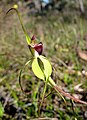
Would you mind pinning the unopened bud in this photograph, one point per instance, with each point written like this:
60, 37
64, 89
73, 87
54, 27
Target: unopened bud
33, 37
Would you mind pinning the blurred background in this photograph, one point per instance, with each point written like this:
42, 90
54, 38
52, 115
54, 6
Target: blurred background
61, 25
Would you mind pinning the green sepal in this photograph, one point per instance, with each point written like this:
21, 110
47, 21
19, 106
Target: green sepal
37, 69
41, 67
28, 39
47, 66
20, 74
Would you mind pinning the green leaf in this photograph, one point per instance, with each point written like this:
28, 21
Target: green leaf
41, 67
1, 110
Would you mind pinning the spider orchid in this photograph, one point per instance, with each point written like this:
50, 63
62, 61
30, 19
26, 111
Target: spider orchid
41, 66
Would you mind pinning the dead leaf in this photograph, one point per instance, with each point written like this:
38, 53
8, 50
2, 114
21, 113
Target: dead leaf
70, 71
82, 54
78, 88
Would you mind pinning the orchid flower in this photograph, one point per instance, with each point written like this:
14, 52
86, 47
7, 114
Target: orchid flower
41, 66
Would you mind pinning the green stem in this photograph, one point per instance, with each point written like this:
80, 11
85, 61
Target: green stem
45, 87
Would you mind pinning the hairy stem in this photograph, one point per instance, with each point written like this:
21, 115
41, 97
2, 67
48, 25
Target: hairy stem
64, 93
